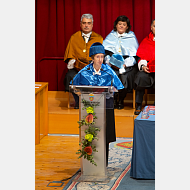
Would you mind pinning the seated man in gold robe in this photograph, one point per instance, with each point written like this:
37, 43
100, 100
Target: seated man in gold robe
77, 51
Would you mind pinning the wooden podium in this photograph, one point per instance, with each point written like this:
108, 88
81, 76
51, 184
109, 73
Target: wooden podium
94, 94
41, 110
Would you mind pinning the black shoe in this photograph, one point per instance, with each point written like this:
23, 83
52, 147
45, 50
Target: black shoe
138, 109
120, 105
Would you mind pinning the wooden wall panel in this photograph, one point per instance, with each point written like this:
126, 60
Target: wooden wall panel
124, 126
63, 124
67, 124
64, 121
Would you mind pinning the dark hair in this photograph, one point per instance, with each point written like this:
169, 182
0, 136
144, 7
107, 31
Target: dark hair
152, 22
122, 18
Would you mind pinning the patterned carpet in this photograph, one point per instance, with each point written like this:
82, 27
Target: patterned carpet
119, 164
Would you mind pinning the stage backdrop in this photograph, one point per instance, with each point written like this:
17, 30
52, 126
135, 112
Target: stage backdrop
57, 20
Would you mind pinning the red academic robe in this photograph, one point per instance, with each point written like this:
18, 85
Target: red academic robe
146, 51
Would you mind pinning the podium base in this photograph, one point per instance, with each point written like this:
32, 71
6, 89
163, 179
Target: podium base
87, 178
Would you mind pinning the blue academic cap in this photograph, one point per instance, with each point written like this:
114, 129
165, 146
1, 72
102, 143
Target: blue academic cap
117, 60
96, 48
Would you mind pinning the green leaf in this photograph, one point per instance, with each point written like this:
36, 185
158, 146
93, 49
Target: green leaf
91, 129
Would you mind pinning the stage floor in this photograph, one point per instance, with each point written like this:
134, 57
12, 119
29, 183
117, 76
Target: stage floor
55, 160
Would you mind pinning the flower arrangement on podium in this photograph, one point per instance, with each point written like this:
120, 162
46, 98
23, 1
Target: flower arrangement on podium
87, 145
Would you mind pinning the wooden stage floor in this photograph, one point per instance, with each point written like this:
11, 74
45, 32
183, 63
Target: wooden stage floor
55, 156
55, 160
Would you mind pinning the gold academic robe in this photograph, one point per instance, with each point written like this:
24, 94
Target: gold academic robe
79, 50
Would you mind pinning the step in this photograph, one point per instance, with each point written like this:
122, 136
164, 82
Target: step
63, 120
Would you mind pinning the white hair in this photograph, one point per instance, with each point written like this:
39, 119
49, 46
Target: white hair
88, 16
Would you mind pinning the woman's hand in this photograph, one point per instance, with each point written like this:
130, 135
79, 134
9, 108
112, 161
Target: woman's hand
146, 69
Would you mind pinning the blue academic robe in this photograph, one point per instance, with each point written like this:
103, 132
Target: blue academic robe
86, 76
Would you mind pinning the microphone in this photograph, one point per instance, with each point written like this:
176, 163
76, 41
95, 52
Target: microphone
108, 74
79, 73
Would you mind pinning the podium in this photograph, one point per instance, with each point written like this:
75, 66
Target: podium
94, 94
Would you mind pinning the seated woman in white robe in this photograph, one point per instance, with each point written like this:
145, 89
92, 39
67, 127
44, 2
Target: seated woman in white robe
120, 47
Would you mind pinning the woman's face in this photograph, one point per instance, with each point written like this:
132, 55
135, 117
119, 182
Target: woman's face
121, 27
98, 60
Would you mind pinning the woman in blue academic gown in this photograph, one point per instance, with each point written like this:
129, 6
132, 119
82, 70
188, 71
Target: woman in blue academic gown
99, 74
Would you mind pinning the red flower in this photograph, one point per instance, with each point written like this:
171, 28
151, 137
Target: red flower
88, 150
89, 118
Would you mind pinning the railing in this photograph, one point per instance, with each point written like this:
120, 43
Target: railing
47, 58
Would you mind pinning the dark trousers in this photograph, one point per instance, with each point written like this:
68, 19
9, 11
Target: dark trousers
76, 97
68, 78
143, 81
122, 94
107, 153
139, 96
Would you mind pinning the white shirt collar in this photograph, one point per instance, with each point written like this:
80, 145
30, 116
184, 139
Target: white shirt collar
120, 35
87, 35
96, 72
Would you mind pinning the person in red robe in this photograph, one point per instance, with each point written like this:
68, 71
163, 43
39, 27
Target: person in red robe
145, 78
